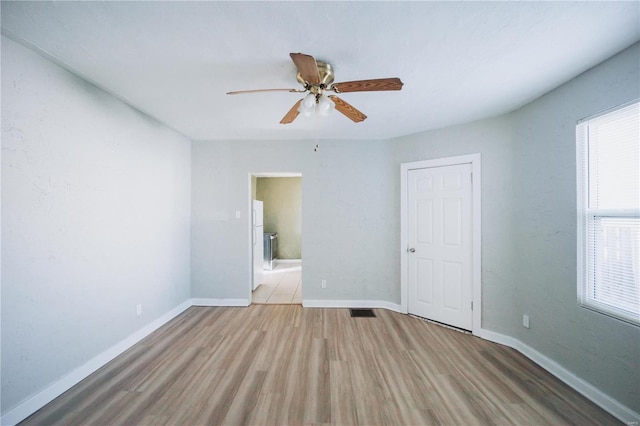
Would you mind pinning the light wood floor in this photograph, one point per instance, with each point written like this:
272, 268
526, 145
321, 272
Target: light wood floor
284, 364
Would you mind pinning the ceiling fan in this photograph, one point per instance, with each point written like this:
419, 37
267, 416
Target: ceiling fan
317, 78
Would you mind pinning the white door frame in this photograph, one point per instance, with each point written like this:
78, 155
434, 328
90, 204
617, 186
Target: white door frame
476, 267
250, 219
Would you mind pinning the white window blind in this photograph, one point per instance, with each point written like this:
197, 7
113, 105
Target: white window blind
608, 148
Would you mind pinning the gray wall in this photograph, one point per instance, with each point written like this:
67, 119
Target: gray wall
348, 193
602, 350
350, 213
282, 198
95, 219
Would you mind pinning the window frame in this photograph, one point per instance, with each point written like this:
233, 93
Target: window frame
585, 213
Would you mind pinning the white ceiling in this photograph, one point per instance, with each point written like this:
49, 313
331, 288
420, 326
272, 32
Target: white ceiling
460, 61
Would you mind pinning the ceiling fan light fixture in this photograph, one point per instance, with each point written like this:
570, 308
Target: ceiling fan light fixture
315, 104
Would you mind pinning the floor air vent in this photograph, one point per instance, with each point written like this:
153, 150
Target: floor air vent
362, 313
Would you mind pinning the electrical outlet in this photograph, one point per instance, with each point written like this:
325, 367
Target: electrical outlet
525, 321
139, 309
324, 283
237, 214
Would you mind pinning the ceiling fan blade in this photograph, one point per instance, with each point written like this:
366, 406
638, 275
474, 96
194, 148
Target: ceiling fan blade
242, 92
348, 110
292, 114
368, 85
307, 67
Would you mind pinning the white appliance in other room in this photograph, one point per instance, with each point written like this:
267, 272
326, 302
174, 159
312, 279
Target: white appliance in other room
257, 234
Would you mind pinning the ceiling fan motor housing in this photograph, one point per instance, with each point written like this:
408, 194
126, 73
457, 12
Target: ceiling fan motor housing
326, 78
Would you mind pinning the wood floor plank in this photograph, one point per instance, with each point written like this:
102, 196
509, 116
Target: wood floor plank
342, 395
288, 365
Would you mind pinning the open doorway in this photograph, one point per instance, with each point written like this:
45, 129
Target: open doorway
276, 243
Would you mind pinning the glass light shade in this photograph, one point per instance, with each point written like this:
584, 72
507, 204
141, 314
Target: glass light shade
308, 104
325, 106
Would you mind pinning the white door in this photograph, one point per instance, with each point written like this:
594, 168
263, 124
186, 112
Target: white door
440, 244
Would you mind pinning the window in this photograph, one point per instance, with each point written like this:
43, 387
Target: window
608, 163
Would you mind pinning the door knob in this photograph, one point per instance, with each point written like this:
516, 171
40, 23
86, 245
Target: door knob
412, 250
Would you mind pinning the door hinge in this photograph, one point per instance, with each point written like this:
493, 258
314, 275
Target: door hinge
472, 305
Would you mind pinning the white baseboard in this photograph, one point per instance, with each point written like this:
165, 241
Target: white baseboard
42, 398
604, 401
378, 304
220, 302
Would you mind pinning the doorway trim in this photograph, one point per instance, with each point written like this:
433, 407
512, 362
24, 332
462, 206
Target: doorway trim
476, 263
249, 219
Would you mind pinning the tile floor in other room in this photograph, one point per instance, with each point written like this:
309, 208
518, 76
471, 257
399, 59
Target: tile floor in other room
282, 285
